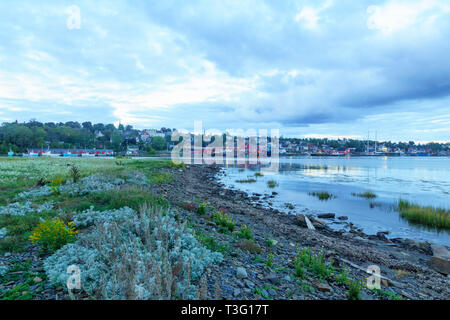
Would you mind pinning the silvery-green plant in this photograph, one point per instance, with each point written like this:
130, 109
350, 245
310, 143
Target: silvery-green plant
3, 232
3, 270
130, 255
21, 209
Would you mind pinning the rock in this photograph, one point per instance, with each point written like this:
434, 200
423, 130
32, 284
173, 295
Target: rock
249, 284
440, 261
382, 236
236, 292
272, 292
7, 254
273, 278
287, 278
326, 215
37, 280
323, 287
241, 273
343, 218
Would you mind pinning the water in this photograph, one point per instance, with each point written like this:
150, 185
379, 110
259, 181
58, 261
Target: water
423, 180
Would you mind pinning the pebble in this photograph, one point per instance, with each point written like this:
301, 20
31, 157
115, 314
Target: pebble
241, 273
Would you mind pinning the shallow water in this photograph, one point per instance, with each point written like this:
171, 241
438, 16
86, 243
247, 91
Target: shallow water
423, 180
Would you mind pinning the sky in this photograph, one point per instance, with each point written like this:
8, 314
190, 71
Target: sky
322, 68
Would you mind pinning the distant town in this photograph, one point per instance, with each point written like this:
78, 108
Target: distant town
71, 139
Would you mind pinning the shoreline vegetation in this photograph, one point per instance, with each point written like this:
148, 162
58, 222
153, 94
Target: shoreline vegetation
438, 218
196, 239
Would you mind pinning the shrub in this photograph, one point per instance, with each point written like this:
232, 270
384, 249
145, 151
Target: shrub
354, 291
202, 209
259, 174
55, 184
74, 173
147, 255
211, 244
245, 233
315, 263
224, 221
52, 234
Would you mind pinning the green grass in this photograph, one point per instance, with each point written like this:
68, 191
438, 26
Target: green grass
354, 291
161, 177
269, 261
245, 233
132, 197
322, 195
428, 216
306, 260
366, 194
272, 184
19, 229
211, 244
259, 174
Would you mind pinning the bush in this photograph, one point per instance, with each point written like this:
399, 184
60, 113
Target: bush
145, 255
224, 221
322, 195
354, 292
202, 209
52, 234
315, 263
245, 233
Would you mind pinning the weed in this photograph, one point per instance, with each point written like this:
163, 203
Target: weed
245, 233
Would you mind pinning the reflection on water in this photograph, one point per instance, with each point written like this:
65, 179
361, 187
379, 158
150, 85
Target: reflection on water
425, 181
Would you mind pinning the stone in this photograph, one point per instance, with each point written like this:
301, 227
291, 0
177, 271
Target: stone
273, 278
236, 292
440, 261
272, 292
241, 273
326, 215
343, 218
323, 287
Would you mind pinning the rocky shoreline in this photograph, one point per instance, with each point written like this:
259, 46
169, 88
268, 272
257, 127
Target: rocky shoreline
403, 263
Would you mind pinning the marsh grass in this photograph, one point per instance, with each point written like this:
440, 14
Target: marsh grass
428, 216
249, 180
366, 194
322, 195
272, 184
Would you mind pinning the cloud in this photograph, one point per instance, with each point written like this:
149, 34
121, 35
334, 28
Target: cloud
306, 67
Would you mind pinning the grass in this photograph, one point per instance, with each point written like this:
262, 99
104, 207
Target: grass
354, 291
259, 174
245, 233
132, 197
161, 177
249, 180
322, 195
272, 184
438, 218
366, 194
211, 244
269, 261
314, 263
19, 229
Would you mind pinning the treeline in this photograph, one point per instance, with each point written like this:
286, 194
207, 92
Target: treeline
20, 136
361, 145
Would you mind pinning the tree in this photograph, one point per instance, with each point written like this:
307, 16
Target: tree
158, 143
